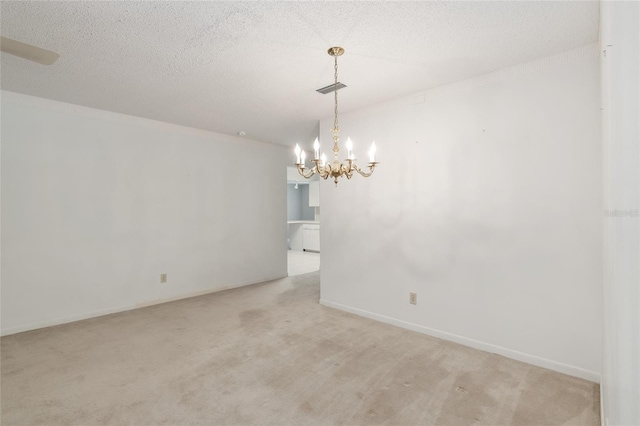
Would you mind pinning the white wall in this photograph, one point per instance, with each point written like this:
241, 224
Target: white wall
96, 205
306, 212
488, 204
298, 202
294, 207
620, 47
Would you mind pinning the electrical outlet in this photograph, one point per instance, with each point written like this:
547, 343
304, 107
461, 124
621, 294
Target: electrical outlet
163, 278
413, 298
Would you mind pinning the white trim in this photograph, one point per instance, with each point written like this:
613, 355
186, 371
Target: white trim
487, 347
102, 312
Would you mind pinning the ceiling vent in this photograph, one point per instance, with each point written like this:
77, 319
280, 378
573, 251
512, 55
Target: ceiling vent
331, 88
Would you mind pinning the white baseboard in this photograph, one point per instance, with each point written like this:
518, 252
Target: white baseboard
64, 320
487, 347
109, 311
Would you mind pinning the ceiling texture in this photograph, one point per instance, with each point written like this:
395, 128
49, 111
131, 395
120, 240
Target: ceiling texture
254, 66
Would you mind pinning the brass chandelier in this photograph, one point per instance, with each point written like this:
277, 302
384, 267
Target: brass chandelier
335, 169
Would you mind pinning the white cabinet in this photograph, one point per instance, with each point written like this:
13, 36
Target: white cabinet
295, 236
304, 236
311, 237
314, 193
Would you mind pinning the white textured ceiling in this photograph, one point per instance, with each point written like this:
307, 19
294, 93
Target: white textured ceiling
254, 66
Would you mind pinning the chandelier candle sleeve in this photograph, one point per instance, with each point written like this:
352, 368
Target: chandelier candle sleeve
349, 149
336, 169
297, 151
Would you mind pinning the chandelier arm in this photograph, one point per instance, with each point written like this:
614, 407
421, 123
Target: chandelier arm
371, 166
347, 169
311, 172
322, 172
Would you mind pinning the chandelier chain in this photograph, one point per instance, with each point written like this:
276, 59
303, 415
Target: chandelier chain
335, 92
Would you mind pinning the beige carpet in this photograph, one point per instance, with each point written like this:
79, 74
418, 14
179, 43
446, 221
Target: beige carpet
269, 354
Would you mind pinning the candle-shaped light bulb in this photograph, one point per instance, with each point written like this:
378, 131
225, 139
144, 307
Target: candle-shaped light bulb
316, 149
323, 160
349, 149
297, 151
303, 157
372, 152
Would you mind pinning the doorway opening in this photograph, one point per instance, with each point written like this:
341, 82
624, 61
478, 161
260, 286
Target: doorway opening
303, 223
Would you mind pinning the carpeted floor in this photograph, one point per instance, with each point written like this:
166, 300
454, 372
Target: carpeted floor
270, 354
